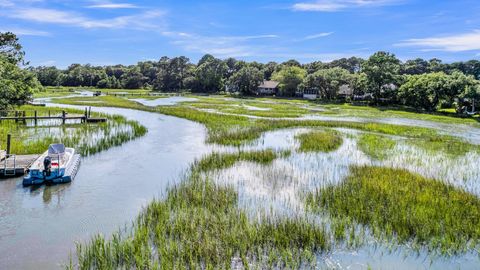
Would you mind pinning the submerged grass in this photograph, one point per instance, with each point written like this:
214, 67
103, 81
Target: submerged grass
200, 226
406, 207
446, 145
320, 141
376, 146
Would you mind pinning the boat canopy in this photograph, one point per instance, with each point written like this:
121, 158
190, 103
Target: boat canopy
56, 149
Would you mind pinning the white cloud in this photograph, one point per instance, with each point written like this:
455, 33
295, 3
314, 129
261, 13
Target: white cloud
24, 31
44, 15
338, 5
5, 3
113, 6
220, 46
452, 43
319, 35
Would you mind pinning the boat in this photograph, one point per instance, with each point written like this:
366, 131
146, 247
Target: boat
57, 165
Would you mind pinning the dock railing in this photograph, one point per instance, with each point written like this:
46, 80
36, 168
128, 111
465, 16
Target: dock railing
24, 115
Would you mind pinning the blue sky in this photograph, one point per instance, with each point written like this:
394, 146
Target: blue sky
104, 32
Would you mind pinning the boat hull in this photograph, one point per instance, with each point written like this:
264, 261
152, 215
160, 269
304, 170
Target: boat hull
68, 175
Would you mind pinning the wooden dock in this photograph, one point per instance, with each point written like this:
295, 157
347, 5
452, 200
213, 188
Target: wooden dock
22, 116
15, 165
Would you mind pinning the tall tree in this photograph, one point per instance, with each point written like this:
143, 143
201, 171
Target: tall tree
10, 48
246, 80
210, 74
328, 81
16, 84
382, 70
290, 77
352, 64
417, 66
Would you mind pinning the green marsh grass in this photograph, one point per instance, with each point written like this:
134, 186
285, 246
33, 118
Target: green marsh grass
446, 145
200, 226
320, 141
237, 130
399, 205
376, 146
86, 138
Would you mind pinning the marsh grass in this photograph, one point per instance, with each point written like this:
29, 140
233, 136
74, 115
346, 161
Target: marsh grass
200, 226
320, 141
236, 130
376, 146
347, 110
86, 138
405, 207
445, 145
217, 161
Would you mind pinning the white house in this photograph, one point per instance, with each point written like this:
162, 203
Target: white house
310, 94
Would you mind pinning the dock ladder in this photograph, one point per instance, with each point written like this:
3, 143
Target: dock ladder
6, 170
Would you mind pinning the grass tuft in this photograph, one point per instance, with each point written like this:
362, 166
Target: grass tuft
376, 146
404, 206
320, 141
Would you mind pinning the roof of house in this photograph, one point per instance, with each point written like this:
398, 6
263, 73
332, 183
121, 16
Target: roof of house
345, 90
269, 84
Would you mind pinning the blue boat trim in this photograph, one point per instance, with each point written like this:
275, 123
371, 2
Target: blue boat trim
57, 175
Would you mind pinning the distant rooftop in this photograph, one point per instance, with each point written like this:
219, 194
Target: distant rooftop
269, 84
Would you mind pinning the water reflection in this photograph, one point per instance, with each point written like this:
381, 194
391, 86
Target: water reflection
168, 101
39, 226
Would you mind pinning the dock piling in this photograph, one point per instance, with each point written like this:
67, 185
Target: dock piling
9, 138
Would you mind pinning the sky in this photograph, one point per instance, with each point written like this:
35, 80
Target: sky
107, 32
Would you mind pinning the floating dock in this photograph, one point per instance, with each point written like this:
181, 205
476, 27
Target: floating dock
15, 165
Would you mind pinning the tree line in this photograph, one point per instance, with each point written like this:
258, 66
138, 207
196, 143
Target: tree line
380, 79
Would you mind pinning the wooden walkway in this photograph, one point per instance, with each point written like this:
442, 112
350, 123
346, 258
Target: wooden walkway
15, 165
64, 116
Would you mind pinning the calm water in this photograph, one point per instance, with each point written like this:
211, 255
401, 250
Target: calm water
163, 101
38, 227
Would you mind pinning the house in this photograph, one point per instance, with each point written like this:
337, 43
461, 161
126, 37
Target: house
345, 91
310, 94
268, 88
231, 88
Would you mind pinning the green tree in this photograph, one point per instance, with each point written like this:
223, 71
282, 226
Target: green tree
133, 79
360, 83
16, 84
290, 77
352, 64
210, 74
10, 48
268, 70
247, 80
328, 81
48, 76
382, 70
417, 66
425, 91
